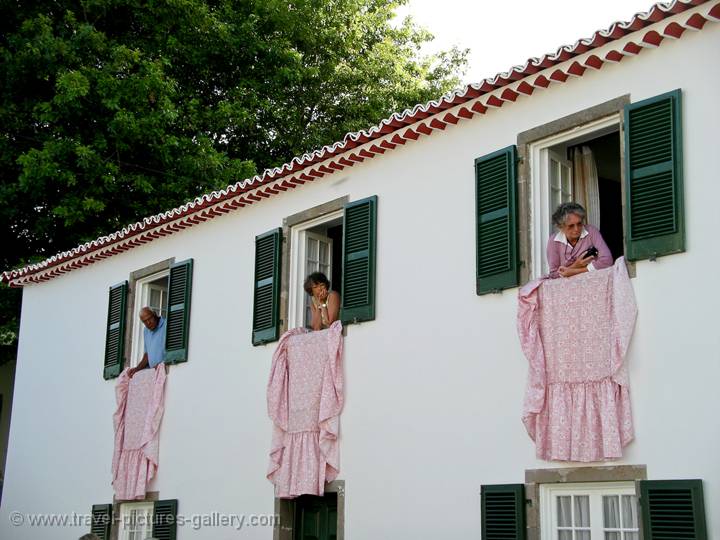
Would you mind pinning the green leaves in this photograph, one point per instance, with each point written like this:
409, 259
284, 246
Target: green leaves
113, 110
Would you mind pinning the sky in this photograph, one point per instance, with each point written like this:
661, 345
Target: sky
502, 34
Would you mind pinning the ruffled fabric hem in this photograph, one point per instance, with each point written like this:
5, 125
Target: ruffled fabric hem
585, 421
300, 464
134, 472
133, 468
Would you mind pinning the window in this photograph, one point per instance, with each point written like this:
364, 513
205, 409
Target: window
592, 511
167, 288
317, 245
581, 165
634, 150
309, 517
136, 521
151, 291
316, 518
339, 240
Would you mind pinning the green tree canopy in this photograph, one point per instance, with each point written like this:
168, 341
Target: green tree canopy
113, 110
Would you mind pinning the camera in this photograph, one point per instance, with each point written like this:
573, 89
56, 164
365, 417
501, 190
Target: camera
591, 252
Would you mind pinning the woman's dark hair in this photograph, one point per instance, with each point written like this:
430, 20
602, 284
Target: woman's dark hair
565, 209
316, 278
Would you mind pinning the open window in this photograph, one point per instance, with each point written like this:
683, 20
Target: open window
317, 247
582, 165
166, 287
151, 291
340, 242
635, 152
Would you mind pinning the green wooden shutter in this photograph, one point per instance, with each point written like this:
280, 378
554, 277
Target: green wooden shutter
496, 221
672, 510
653, 170
101, 520
165, 519
503, 512
115, 335
359, 240
266, 301
178, 318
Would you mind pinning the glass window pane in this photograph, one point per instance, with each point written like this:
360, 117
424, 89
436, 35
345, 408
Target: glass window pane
324, 259
554, 176
312, 249
566, 187
629, 512
582, 510
564, 517
555, 199
155, 301
582, 535
612, 536
611, 511
565, 535
632, 536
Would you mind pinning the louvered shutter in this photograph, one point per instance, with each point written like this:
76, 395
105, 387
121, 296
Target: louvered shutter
266, 302
178, 318
101, 520
358, 282
165, 519
115, 331
496, 221
653, 167
503, 512
672, 510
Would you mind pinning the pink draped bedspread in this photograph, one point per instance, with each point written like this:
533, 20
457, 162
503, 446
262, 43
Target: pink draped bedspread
140, 407
304, 398
575, 333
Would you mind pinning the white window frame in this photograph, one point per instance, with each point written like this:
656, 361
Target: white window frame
142, 296
540, 211
296, 296
596, 490
125, 514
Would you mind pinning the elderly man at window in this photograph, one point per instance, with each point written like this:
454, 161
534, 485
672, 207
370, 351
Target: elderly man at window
577, 247
153, 338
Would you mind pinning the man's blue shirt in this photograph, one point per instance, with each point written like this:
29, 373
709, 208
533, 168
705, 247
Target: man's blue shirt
155, 343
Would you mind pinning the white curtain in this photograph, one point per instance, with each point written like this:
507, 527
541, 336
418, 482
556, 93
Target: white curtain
585, 182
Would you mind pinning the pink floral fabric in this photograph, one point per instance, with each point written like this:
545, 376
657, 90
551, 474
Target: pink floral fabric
140, 407
575, 333
304, 399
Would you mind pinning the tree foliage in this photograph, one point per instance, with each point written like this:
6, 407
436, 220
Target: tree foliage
112, 110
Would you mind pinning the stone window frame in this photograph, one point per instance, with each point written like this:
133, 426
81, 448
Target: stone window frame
285, 510
571, 475
524, 175
131, 318
288, 223
150, 496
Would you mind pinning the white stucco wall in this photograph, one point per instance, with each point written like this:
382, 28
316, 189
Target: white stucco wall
434, 385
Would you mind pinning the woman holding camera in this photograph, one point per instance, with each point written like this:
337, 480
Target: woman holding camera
577, 247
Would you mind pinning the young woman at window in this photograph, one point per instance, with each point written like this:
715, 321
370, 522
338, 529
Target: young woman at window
325, 304
569, 252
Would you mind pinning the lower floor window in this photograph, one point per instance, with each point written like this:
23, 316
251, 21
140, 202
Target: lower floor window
136, 521
592, 511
